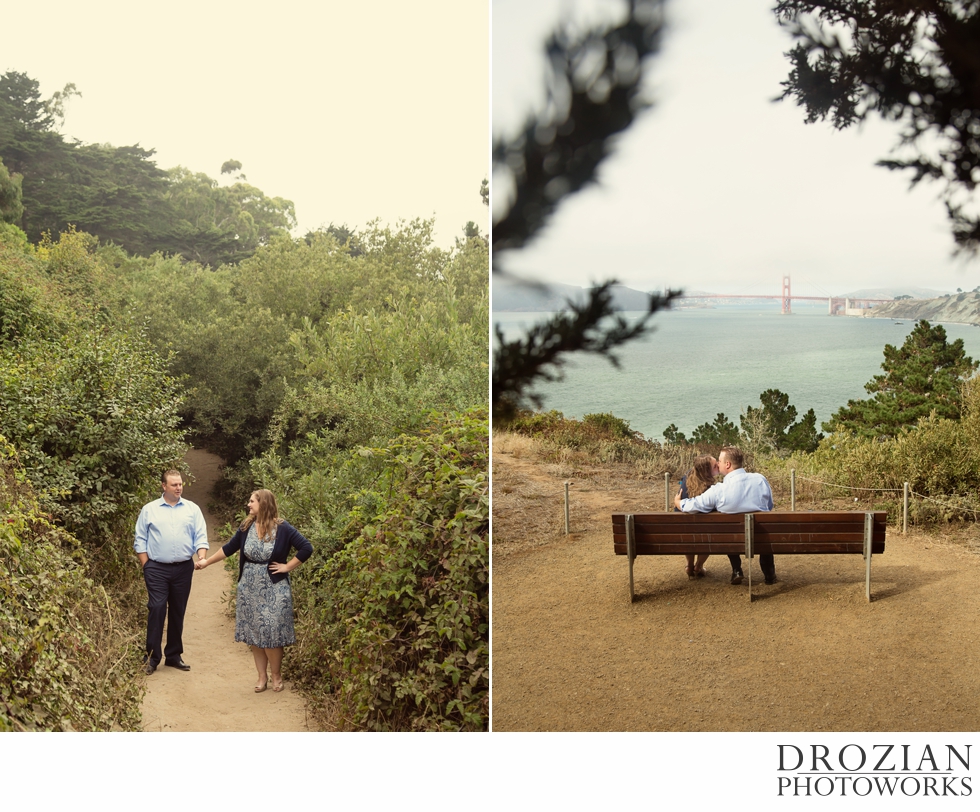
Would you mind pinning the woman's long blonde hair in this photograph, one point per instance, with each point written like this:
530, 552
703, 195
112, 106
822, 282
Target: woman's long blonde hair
268, 514
701, 476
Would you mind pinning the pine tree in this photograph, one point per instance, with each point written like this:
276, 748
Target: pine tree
924, 375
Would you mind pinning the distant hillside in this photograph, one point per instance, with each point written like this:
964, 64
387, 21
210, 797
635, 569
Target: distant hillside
956, 308
892, 292
514, 297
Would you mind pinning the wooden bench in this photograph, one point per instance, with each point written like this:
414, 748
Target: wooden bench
750, 534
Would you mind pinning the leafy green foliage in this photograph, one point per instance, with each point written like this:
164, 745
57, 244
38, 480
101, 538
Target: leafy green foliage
937, 456
803, 435
773, 425
94, 418
603, 436
304, 337
606, 422
217, 224
303, 354
770, 427
63, 663
119, 194
397, 619
922, 376
89, 406
11, 207
720, 432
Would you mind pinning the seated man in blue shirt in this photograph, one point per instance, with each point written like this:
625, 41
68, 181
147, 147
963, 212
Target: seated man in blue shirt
170, 531
738, 492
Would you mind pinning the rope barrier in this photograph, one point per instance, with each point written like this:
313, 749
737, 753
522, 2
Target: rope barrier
850, 487
946, 504
564, 493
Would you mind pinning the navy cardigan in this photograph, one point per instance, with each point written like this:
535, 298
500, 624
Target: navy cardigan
286, 536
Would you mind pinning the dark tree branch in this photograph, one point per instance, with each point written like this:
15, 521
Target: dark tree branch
541, 354
916, 62
594, 94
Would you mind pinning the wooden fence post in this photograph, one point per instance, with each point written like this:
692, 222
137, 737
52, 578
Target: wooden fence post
566, 508
905, 508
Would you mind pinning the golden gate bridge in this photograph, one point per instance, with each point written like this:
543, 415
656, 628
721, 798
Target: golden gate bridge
836, 305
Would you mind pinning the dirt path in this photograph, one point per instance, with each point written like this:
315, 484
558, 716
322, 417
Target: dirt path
808, 654
217, 693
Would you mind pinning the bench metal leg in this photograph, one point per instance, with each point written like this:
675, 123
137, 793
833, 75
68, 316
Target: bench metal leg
749, 535
630, 549
869, 526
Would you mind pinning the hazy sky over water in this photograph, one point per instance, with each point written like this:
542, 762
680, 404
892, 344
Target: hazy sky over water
718, 188
353, 111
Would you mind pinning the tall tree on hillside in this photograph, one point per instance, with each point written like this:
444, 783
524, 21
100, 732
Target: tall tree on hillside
120, 195
222, 224
115, 193
924, 375
914, 62
21, 102
593, 95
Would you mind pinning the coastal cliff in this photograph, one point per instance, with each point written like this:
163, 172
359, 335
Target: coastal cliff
954, 308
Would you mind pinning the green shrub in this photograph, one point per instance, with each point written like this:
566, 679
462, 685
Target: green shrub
397, 620
610, 424
94, 419
605, 437
66, 663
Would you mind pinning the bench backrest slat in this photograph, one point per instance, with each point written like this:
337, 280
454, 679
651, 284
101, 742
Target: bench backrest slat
780, 533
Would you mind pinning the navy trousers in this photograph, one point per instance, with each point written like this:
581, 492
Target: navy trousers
168, 586
767, 563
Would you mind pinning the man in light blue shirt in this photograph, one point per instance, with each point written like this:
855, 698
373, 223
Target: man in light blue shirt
170, 531
738, 492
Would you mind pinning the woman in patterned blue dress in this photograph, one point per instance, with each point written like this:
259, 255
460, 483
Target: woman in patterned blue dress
264, 601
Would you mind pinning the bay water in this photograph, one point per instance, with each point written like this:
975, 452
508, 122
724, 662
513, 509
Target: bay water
699, 362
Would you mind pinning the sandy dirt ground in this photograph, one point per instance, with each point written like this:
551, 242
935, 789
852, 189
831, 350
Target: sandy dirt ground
217, 694
809, 653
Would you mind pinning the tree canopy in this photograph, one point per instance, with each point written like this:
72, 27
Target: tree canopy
914, 62
119, 194
922, 376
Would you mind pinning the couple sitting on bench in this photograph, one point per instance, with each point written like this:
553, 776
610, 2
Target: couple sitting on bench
738, 492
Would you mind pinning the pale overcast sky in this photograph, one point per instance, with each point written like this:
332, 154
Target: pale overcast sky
716, 187
353, 111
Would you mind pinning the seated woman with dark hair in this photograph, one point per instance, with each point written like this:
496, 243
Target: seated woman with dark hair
697, 481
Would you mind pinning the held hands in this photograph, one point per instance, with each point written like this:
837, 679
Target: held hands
200, 563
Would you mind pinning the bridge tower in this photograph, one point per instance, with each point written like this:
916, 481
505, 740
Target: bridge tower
786, 298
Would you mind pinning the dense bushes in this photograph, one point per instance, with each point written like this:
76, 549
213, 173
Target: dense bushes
397, 619
322, 372
309, 337
91, 421
604, 436
87, 404
66, 663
